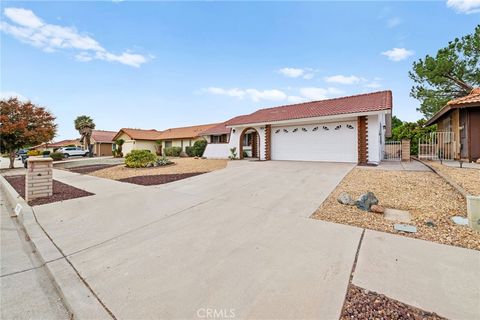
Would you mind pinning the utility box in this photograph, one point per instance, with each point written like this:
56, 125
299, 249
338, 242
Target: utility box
39, 180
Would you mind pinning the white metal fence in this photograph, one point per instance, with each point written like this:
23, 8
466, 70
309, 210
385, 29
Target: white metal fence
437, 146
393, 150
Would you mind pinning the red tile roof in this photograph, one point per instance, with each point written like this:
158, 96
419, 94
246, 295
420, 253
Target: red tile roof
139, 134
470, 100
103, 136
375, 101
220, 128
58, 144
185, 132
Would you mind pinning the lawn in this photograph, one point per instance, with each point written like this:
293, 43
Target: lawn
427, 196
180, 166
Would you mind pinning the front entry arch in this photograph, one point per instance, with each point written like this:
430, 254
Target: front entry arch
250, 143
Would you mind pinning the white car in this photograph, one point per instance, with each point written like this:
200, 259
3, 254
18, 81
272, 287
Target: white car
73, 151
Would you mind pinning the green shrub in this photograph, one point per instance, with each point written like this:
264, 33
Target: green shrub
190, 151
139, 159
162, 161
199, 147
33, 153
233, 153
56, 156
173, 151
45, 153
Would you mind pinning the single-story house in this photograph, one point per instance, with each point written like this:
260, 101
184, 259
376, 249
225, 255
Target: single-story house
462, 117
346, 129
54, 146
183, 136
103, 142
138, 139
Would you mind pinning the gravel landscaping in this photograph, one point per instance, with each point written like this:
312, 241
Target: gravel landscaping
431, 202
363, 304
159, 179
89, 168
61, 191
467, 178
180, 166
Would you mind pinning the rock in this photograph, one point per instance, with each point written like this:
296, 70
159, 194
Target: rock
430, 223
344, 198
366, 201
460, 220
377, 209
405, 228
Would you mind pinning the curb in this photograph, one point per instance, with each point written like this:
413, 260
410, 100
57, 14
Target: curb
77, 297
462, 191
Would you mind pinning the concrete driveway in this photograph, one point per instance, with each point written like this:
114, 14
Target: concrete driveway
236, 241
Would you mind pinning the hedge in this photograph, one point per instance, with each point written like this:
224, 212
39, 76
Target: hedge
172, 151
139, 159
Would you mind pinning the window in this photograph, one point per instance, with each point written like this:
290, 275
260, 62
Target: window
218, 138
168, 144
247, 138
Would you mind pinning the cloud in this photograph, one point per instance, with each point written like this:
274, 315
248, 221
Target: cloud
464, 6
32, 30
398, 54
306, 73
254, 94
393, 22
340, 79
12, 94
315, 93
373, 85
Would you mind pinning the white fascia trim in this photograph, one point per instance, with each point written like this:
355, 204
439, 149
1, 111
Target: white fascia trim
310, 120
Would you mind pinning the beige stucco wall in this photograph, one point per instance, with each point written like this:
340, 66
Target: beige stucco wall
131, 144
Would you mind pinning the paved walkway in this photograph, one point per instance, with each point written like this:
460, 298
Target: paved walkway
26, 290
239, 239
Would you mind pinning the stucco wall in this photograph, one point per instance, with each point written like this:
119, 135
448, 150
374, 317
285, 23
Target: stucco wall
374, 134
235, 140
217, 151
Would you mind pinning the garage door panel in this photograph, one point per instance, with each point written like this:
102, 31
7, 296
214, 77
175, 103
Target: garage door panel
314, 143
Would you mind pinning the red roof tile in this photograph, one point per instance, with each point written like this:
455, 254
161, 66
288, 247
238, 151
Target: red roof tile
470, 100
473, 97
139, 134
185, 132
375, 101
103, 136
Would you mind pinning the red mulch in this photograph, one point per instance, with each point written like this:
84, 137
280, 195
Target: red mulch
61, 191
90, 168
363, 304
159, 178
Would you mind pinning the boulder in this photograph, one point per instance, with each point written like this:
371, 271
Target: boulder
344, 198
377, 209
366, 201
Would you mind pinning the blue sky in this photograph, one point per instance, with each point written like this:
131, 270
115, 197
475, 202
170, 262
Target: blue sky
166, 64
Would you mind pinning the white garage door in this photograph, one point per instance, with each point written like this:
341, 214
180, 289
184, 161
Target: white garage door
336, 142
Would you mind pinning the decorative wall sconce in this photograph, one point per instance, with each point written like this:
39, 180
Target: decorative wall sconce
304, 130
349, 126
295, 130
325, 128
315, 129
338, 127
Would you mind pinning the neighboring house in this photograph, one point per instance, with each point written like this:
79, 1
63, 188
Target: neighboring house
53, 146
462, 117
184, 136
103, 142
138, 139
347, 129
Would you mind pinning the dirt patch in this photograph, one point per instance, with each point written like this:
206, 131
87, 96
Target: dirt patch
363, 304
159, 179
467, 178
182, 165
427, 196
90, 168
61, 191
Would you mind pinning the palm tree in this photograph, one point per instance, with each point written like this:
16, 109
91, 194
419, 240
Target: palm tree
119, 143
85, 125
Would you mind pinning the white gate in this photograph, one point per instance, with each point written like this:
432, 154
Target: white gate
393, 150
437, 146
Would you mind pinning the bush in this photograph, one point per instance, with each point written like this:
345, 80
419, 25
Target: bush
33, 153
190, 151
233, 153
163, 161
139, 159
199, 147
173, 151
45, 153
56, 156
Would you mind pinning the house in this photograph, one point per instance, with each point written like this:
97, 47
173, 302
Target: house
183, 136
462, 117
347, 129
54, 146
138, 139
103, 142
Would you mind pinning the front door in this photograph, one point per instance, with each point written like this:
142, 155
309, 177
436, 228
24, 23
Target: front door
463, 134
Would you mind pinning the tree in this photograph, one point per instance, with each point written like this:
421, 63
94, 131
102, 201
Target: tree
412, 131
119, 143
23, 124
452, 73
85, 125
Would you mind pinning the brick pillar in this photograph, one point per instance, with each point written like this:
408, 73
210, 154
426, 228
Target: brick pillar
362, 141
405, 150
254, 144
268, 142
38, 181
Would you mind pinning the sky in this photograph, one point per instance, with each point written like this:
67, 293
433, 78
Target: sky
158, 65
